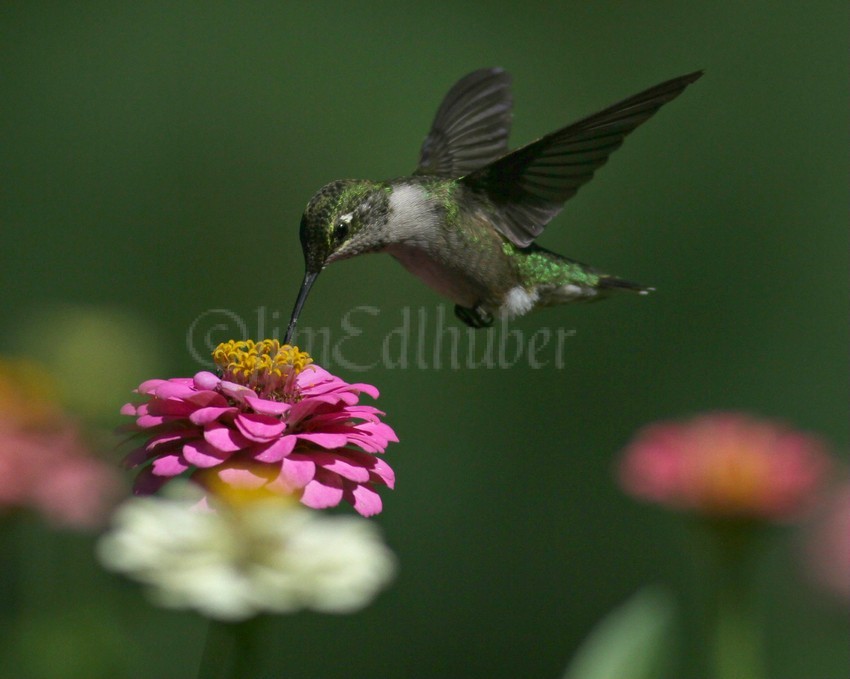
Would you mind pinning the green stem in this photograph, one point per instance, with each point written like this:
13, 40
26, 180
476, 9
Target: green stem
232, 650
737, 641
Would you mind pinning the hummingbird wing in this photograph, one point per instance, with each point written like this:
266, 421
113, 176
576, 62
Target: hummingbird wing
471, 126
531, 184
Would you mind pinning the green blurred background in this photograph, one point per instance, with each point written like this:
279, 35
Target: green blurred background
156, 158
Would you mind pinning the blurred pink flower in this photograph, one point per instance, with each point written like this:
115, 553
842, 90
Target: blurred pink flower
725, 464
45, 462
273, 420
828, 548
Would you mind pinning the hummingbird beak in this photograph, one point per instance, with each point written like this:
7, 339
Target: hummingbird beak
309, 279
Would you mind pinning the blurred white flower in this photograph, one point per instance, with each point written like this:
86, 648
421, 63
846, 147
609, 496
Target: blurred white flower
246, 557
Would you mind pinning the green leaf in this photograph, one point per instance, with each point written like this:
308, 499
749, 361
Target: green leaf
633, 641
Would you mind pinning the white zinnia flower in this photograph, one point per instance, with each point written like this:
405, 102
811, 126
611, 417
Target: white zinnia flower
252, 556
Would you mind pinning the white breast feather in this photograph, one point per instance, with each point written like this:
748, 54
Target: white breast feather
518, 301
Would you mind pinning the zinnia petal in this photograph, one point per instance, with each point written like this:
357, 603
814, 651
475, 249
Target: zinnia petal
171, 407
242, 477
259, 428
277, 450
224, 438
149, 421
235, 391
383, 472
294, 475
202, 454
210, 414
205, 380
266, 407
324, 491
348, 469
365, 500
166, 438
366, 389
298, 470
174, 390
325, 440
169, 465
149, 386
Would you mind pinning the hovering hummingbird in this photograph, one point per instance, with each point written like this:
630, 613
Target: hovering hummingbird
466, 220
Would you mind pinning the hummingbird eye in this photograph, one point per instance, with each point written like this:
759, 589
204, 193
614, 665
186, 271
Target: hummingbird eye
341, 227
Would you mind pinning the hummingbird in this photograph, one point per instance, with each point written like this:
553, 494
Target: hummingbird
466, 220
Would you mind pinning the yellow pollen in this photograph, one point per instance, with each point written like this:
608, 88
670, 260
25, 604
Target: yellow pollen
265, 366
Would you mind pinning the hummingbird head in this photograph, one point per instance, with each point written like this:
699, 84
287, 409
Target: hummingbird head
342, 220
345, 218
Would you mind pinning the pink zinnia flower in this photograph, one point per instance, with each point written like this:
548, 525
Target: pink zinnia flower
725, 464
273, 419
46, 464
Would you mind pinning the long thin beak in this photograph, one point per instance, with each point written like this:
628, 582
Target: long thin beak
309, 279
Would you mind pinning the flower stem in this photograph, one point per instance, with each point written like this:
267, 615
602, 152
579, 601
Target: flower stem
737, 641
231, 650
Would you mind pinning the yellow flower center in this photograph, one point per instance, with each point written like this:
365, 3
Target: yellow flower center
734, 479
267, 366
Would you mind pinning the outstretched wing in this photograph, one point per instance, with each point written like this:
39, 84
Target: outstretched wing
531, 184
471, 126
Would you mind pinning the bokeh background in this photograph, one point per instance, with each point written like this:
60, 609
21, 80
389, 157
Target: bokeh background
156, 158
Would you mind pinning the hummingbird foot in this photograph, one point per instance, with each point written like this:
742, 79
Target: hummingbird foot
475, 317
